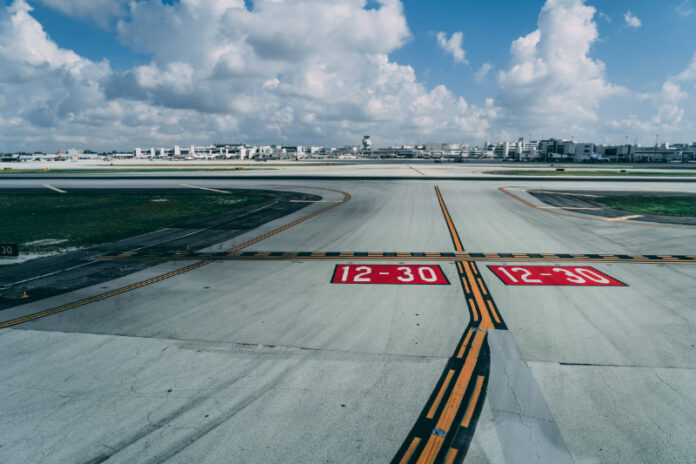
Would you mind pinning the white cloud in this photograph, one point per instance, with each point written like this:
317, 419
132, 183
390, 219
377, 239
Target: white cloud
632, 20
689, 74
303, 71
453, 46
483, 71
668, 101
685, 8
552, 83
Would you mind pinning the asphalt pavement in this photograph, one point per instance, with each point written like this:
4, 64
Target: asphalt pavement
265, 360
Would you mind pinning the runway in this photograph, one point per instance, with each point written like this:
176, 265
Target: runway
245, 351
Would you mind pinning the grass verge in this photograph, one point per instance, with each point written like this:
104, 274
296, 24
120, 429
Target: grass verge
46, 222
663, 206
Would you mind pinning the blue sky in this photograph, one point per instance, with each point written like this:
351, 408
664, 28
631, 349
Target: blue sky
596, 70
639, 58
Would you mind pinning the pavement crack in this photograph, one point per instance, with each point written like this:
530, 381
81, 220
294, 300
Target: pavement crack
245, 347
525, 416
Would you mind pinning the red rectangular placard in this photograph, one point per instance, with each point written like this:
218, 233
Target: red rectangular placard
554, 275
399, 274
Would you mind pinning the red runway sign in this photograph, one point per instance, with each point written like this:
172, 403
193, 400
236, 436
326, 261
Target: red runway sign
388, 274
554, 275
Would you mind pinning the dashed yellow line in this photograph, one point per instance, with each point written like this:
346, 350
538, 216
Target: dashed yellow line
438, 398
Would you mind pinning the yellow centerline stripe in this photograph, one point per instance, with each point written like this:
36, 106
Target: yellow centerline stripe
455, 236
486, 323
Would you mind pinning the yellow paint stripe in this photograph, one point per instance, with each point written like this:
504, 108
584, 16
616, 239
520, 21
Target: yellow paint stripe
459, 389
416, 170
493, 311
409, 452
472, 402
444, 423
453, 232
431, 449
438, 398
103, 296
481, 286
486, 323
466, 286
465, 344
472, 305
346, 197
55, 189
451, 454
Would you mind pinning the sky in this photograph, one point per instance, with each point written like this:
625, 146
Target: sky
118, 74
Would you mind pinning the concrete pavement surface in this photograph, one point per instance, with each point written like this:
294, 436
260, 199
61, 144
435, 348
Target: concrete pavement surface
265, 360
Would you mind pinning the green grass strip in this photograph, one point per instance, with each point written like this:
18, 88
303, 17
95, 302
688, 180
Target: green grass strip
85, 219
663, 206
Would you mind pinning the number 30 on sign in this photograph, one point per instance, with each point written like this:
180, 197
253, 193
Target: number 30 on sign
554, 275
389, 274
